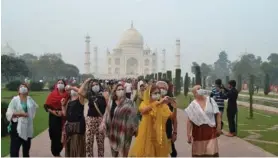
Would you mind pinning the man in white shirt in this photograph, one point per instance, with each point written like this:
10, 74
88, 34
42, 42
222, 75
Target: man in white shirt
128, 89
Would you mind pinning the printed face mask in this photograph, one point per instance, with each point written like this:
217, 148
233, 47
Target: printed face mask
73, 93
163, 92
155, 96
95, 88
23, 90
120, 93
60, 86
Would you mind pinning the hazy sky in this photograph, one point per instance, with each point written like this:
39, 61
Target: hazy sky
205, 27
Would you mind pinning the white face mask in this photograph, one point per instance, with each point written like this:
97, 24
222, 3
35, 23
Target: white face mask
163, 92
202, 92
120, 93
23, 90
73, 93
60, 86
95, 88
155, 96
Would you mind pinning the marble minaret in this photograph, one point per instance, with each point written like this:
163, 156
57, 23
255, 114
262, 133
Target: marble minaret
95, 60
178, 56
87, 63
163, 70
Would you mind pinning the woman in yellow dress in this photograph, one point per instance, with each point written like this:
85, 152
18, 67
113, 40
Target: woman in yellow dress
151, 140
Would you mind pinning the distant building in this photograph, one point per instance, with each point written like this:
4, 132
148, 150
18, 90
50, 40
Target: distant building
6, 49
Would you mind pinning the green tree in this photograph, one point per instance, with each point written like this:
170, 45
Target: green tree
164, 76
222, 65
193, 82
251, 92
155, 76
227, 80
198, 79
239, 82
169, 75
204, 83
266, 84
12, 67
177, 82
159, 77
186, 84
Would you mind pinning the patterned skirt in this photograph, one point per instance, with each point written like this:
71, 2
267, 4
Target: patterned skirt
204, 141
75, 146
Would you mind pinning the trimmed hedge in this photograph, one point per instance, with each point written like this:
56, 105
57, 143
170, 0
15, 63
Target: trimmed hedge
178, 82
169, 75
13, 85
4, 121
36, 86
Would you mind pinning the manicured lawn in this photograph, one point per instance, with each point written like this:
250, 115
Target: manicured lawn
270, 95
40, 122
261, 121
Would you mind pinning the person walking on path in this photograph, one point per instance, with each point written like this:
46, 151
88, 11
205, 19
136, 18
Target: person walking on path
56, 119
21, 112
75, 124
152, 140
232, 95
97, 106
203, 124
171, 124
120, 122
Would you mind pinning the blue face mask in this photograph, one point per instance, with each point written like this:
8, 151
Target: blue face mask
23, 90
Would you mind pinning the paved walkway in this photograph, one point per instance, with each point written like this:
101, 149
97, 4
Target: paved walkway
259, 97
229, 147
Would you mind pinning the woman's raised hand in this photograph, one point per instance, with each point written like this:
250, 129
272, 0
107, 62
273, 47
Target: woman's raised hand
63, 101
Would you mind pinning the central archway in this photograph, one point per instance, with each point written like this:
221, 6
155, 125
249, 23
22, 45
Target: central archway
132, 66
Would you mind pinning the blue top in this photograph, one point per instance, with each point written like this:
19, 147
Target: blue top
219, 97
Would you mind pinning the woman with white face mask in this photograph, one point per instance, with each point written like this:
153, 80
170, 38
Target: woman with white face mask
152, 140
97, 106
20, 113
120, 121
56, 120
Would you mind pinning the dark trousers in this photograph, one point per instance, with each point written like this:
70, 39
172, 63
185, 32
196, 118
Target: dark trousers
55, 134
16, 142
231, 115
174, 151
221, 109
128, 95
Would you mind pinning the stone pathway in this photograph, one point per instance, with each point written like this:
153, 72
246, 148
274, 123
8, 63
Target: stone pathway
229, 147
259, 97
269, 109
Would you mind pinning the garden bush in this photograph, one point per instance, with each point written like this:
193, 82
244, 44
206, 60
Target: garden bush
51, 85
4, 121
36, 86
13, 85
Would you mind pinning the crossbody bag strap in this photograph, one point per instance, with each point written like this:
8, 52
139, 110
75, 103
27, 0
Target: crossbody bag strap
97, 108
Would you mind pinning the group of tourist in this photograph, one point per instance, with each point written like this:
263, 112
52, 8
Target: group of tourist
119, 111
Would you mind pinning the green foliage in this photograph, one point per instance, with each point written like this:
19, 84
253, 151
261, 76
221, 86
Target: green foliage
204, 83
251, 92
227, 80
155, 76
164, 76
177, 82
159, 77
186, 84
193, 83
36, 86
13, 85
266, 84
51, 85
4, 121
239, 83
13, 67
198, 75
152, 76
169, 75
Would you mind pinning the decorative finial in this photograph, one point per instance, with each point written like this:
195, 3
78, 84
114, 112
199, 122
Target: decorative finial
131, 24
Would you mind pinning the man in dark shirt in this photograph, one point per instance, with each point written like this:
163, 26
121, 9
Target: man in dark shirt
232, 95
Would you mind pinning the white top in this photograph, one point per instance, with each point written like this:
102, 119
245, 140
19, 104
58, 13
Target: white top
199, 116
128, 87
139, 84
25, 124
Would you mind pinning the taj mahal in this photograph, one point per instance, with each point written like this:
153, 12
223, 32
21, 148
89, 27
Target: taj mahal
130, 58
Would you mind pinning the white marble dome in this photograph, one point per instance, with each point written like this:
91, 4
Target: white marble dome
131, 38
6, 49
